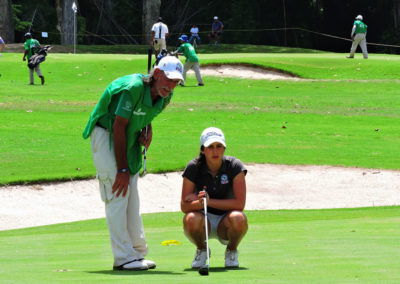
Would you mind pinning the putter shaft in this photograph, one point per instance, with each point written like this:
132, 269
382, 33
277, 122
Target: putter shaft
206, 227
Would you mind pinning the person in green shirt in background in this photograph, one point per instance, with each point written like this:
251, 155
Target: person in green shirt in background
118, 127
31, 47
192, 61
359, 35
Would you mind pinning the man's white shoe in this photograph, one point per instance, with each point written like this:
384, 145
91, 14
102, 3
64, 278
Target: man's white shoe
133, 265
150, 264
231, 258
200, 258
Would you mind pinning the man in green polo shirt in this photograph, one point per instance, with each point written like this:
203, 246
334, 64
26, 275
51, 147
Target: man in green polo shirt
32, 46
118, 127
359, 35
192, 61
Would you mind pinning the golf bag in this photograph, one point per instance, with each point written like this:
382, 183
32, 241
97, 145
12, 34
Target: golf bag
38, 57
163, 53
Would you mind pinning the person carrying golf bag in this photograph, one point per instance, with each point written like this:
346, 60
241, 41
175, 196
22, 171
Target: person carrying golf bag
38, 57
32, 46
118, 127
221, 180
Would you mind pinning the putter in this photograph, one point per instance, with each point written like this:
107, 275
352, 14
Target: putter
142, 174
149, 53
205, 268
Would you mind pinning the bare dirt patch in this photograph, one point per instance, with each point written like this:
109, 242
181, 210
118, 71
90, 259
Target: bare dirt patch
268, 187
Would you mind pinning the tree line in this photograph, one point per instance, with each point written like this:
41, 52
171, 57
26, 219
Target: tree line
293, 23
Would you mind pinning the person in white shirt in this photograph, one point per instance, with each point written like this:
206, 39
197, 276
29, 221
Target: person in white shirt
159, 34
195, 35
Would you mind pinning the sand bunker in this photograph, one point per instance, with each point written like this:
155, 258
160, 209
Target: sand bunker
244, 71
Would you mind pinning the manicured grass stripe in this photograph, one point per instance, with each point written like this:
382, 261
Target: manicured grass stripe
343, 122
301, 246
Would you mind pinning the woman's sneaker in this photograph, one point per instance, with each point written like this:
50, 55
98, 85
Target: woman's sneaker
200, 258
231, 258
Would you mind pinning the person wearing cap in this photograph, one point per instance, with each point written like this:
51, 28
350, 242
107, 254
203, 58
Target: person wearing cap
118, 127
192, 61
159, 34
221, 179
31, 46
359, 35
216, 30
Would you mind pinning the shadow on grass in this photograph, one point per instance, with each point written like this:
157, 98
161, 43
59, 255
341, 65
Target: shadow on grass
219, 269
160, 272
129, 273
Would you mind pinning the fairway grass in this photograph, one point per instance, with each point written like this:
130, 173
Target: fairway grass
284, 246
345, 114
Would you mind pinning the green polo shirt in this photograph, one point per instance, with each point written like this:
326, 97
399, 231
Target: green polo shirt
188, 50
128, 97
32, 46
361, 28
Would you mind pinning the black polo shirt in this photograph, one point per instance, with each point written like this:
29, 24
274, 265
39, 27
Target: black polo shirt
218, 187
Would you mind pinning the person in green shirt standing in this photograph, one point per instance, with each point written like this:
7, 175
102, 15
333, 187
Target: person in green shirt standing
192, 61
118, 127
31, 47
359, 35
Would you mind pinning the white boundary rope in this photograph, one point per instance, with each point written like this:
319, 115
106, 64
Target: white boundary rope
314, 32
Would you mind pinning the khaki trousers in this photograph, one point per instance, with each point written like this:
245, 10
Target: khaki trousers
196, 68
359, 39
159, 44
38, 72
122, 213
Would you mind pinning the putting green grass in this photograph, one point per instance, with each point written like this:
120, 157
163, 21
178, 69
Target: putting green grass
345, 114
283, 246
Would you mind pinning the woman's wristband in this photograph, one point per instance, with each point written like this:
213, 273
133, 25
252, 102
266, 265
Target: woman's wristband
124, 170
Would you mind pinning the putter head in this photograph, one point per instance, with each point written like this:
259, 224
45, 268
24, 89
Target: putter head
203, 270
142, 174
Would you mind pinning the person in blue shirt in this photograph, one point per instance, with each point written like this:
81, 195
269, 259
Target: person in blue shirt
216, 30
2, 45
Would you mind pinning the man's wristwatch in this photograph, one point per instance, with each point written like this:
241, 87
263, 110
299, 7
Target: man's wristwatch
124, 170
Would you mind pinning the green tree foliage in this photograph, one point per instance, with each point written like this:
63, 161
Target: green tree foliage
19, 25
245, 21
37, 16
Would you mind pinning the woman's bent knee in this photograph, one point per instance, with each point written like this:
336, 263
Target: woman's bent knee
193, 221
238, 220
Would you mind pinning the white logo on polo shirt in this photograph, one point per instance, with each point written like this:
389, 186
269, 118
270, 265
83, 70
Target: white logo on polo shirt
139, 112
224, 179
127, 106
